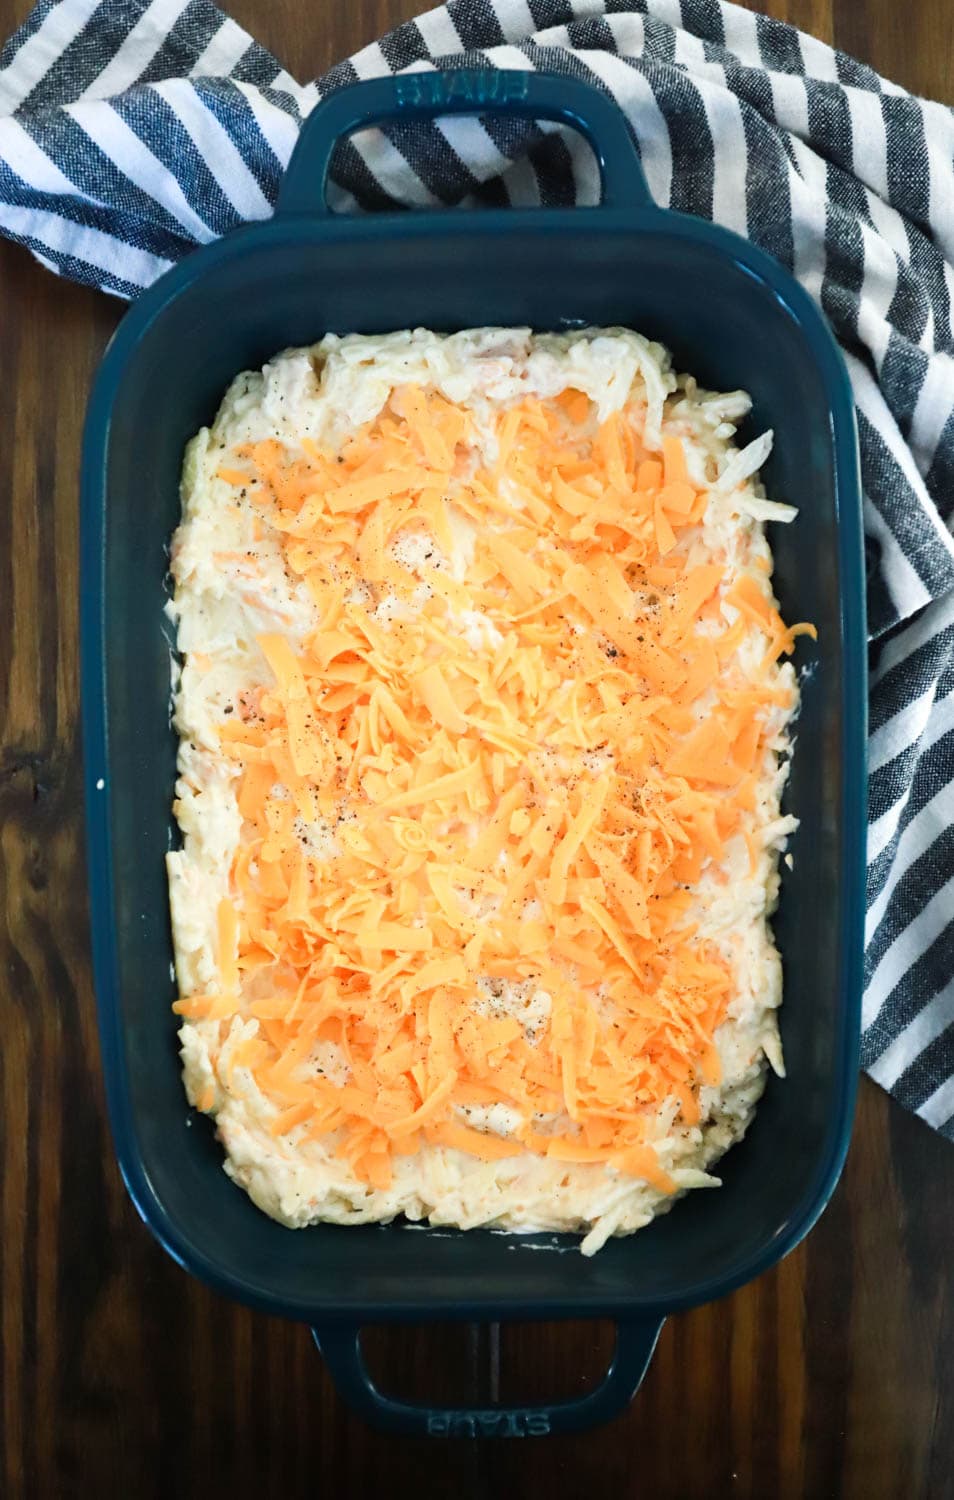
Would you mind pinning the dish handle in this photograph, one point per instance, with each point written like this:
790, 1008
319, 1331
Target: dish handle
340, 1346
464, 91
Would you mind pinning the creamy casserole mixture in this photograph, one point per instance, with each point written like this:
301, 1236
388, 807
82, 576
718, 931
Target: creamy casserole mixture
483, 721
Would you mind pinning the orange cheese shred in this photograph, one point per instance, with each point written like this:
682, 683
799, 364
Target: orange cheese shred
501, 786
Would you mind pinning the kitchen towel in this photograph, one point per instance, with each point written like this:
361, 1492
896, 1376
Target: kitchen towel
131, 131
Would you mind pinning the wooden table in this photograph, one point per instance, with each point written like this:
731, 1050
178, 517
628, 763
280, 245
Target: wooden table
831, 1376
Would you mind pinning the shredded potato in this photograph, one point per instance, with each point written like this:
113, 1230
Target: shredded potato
483, 721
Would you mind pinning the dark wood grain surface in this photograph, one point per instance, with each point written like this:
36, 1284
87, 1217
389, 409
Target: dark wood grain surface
831, 1376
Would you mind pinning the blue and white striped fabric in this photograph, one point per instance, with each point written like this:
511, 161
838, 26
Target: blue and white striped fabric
132, 130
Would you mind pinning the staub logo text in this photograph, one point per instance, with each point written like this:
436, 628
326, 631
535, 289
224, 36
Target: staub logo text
488, 1423
493, 86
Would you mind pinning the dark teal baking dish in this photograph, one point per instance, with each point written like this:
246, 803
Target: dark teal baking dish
734, 318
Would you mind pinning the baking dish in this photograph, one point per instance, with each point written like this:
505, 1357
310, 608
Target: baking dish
734, 318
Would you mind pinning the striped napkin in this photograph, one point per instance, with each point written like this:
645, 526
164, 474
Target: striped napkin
131, 131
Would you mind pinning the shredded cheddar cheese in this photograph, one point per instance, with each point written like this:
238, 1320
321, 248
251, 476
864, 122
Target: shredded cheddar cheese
503, 710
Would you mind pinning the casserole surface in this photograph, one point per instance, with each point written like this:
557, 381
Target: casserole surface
483, 716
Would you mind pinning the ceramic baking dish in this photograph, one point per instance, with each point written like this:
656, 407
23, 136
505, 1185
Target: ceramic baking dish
734, 318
